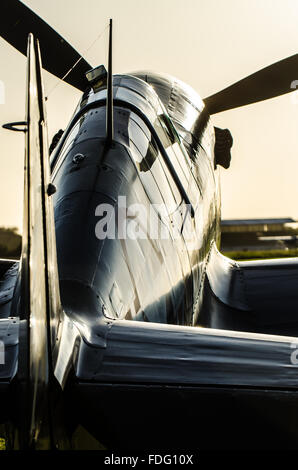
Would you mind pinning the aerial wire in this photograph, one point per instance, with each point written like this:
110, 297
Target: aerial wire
76, 63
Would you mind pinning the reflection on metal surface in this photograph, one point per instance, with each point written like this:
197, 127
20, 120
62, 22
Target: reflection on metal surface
39, 300
165, 321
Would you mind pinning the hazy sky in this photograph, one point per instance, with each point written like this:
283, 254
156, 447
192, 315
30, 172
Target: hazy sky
206, 43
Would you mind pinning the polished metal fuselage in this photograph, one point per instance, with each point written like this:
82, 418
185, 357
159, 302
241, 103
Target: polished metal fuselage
157, 278
124, 355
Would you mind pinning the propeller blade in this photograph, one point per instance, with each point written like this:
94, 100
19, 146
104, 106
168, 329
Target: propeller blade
58, 56
274, 80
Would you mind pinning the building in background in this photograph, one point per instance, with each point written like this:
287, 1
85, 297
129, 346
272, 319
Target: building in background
259, 238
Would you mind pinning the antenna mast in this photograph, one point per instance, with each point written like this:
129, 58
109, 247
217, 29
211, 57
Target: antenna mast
109, 111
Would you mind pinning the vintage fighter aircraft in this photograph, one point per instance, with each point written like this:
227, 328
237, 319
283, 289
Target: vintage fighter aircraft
139, 341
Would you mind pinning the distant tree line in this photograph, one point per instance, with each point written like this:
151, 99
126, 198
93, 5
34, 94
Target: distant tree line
10, 242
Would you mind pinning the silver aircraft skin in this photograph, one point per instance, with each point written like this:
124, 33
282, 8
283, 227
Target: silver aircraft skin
120, 335
156, 279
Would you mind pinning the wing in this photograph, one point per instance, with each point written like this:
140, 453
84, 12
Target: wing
9, 338
255, 296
